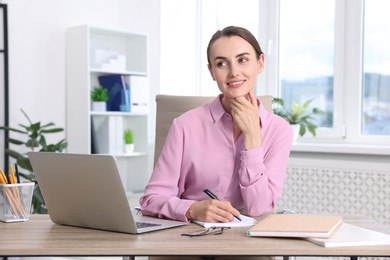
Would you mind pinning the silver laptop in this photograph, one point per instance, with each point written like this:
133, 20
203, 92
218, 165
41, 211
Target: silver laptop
86, 191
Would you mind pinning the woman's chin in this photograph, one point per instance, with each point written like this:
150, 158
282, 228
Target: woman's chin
236, 94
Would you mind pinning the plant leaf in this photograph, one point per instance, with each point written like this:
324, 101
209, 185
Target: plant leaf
14, 141
13, 129
53, 130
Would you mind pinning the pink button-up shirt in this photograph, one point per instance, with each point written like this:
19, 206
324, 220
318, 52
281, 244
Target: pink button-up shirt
200, 152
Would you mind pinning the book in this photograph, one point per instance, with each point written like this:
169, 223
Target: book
351, 235
245, 222
139, 92
108, 134
296, 225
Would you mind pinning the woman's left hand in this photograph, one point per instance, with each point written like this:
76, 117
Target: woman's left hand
245, 113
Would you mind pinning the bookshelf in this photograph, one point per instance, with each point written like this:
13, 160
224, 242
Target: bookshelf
92, 52
4, 82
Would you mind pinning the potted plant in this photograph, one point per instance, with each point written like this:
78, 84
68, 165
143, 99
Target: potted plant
99, 96
298, 115
128, 138
34, 140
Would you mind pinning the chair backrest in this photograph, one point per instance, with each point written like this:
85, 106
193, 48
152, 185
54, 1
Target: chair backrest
169, 107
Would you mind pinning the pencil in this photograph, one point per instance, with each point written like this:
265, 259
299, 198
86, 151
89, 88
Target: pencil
13, 181
12, 193
12, 178
3, 178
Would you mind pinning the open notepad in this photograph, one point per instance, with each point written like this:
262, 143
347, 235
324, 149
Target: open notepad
245, 222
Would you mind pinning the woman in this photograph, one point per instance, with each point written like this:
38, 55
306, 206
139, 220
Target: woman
232, 146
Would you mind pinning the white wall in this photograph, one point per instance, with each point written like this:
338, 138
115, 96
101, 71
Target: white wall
37, 48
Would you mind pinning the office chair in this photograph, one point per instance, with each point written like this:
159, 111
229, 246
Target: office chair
169, 107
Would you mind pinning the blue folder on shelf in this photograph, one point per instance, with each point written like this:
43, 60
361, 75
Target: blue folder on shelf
118, 92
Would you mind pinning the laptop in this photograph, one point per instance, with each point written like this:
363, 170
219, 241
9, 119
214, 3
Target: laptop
86, 190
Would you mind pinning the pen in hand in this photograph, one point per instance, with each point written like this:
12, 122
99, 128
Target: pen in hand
214, 197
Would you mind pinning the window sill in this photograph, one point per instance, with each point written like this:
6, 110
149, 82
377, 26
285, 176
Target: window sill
340, 148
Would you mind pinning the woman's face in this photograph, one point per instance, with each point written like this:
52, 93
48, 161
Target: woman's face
234, 66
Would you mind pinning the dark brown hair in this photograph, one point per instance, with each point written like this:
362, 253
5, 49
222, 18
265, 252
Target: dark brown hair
235, 31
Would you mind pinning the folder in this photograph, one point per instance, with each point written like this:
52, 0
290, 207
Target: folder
296, 225
118, 91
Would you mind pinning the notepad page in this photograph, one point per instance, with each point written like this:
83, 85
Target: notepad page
245, 222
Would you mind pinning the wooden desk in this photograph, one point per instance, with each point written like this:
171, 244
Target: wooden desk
40, 237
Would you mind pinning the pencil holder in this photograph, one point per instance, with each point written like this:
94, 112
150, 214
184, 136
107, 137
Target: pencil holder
15, 201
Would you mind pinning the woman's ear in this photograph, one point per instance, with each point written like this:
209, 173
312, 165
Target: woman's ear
260, 63
211, 71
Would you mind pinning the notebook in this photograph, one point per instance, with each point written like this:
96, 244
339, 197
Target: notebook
296, 225
351, 235
86, 191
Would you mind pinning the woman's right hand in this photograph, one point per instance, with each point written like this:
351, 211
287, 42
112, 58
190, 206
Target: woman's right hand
212, 211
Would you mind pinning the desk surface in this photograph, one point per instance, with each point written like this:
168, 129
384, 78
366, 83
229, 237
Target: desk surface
40, 237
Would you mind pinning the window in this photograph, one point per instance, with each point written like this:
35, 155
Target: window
335, 51
376, 68
341, 58
306, 51
179, 47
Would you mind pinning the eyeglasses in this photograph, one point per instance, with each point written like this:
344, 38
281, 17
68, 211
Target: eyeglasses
207, 231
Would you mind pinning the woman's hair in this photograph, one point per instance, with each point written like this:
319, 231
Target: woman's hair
235, 31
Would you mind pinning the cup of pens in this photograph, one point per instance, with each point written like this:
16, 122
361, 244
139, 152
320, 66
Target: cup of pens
15, 201
15, 197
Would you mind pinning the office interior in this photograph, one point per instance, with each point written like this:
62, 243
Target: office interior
322, 177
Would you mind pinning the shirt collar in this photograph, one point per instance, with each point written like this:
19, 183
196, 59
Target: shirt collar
216, 108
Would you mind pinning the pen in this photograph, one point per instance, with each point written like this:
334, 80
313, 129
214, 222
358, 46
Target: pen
214, 197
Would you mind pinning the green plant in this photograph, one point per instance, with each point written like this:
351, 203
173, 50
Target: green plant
298, 114
34, 140
128, 136
99, 94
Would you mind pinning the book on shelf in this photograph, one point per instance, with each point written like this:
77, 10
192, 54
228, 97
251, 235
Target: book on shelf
118, 92
139, 92
107, 134
351, 235
296, 225
245, 222
94, 140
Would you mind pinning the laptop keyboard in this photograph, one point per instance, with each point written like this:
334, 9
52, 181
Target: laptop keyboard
146, 224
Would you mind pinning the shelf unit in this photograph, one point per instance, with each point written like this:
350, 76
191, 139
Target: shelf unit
4, 82
82, 71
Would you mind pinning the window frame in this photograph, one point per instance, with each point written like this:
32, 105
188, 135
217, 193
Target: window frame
346, 135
